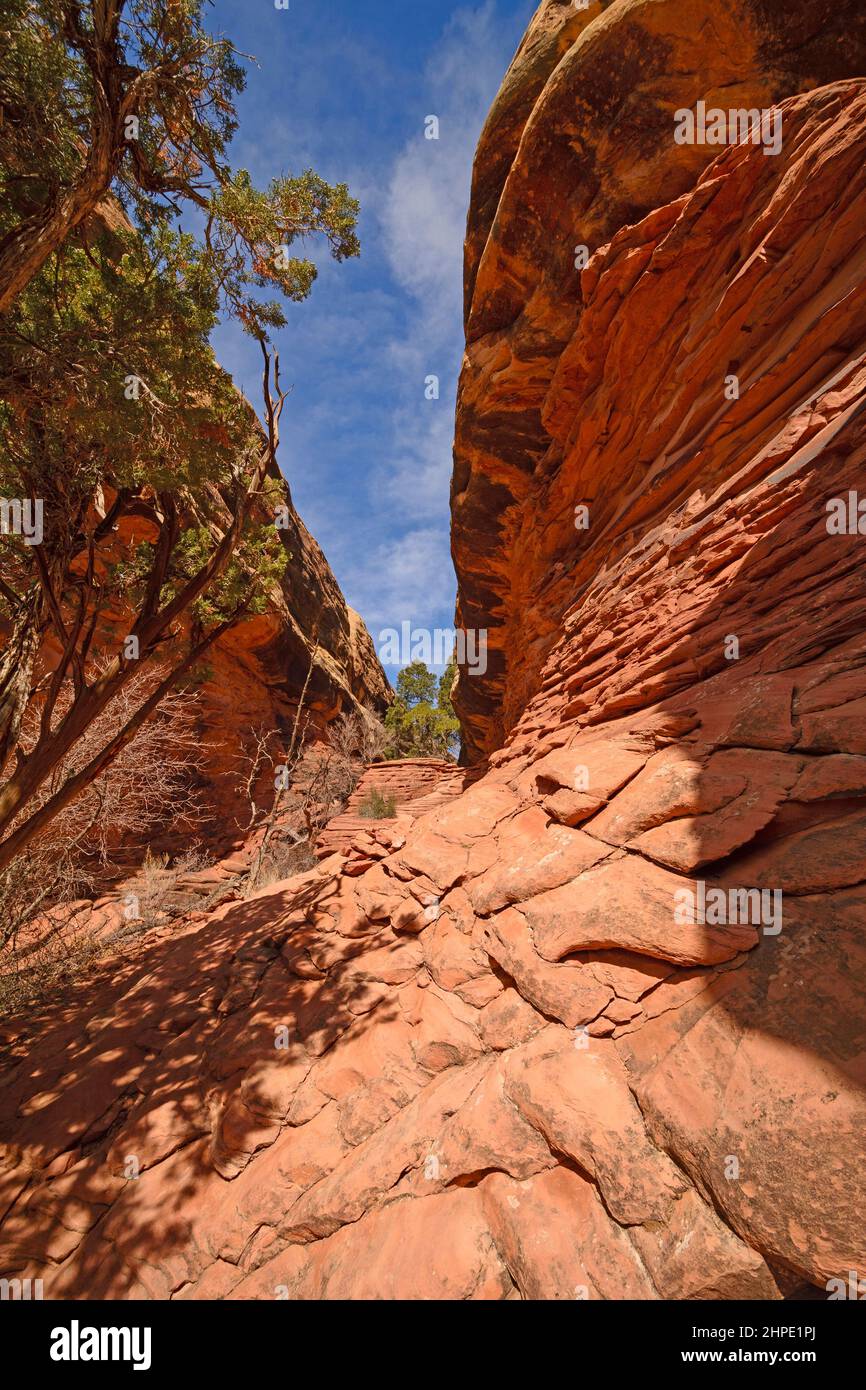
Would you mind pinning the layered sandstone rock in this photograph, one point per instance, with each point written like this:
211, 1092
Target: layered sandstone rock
502, 1062
579, 143
413, 785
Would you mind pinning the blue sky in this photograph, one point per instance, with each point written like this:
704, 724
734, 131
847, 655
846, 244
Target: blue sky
345, 86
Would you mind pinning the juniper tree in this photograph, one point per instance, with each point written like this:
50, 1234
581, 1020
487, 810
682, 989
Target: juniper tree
115, 117
206, 577
421, 721
136, 98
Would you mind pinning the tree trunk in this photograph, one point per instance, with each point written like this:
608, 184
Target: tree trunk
25, 249
16, 671
90, 700
54, 746
22, 837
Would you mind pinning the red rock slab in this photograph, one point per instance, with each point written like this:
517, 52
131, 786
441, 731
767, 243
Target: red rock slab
558, 1242
751, 712
532, 856
366, 1175
694, 1255
35, 1236
443, 861
367, 1108
258, 1199
239, 1132
622, 1011
413, 917
822, 858
393, 963
456, 905
378, 895
81, 1108
629, 904
686, 809
76, 1198
509, 1020
486, 1133
768, 1067
216, 1283
479, 993
571, 808
449, 954
365, 1055
136, 1244
445, 1030
835, 775
355, 867
302, 1157
155, 1130
436, 1248
578, 1098
599, 768
565, 992
272, 1077
347, 914
629, 975
838, 729
476, 813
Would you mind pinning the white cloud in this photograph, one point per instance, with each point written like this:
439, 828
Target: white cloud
367, 456
424, 217
407, 580
421, 227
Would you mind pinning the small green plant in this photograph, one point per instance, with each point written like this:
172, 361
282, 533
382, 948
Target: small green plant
377, 806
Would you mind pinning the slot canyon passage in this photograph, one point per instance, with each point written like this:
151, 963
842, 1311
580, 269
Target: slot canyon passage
512, 1071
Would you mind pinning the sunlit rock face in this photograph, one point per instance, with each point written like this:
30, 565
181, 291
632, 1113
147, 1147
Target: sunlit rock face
579, 144
588, 1022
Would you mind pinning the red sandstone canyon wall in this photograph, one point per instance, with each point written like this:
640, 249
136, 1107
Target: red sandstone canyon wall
578, 144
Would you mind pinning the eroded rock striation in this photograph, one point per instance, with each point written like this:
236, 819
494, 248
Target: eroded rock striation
579, 143
492, 1053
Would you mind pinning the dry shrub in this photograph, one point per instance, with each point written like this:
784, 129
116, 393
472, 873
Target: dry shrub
150, 785
45, 971
334, 770
283, 858
359, 737
63, 945
378, 806
154, 895
312, 786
